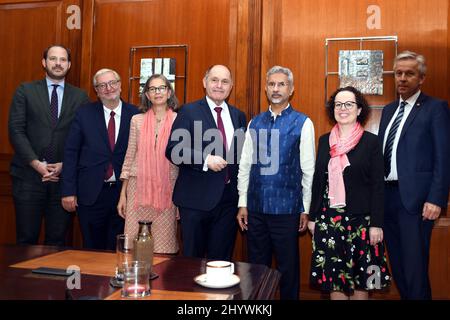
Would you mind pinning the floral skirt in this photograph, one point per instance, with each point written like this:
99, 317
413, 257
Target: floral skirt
343, 259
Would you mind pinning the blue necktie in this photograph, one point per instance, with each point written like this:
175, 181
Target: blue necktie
390, 139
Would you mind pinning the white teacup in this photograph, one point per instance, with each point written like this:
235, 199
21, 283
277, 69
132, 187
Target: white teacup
219, 271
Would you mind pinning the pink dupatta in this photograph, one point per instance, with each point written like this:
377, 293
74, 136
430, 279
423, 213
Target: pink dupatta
153, 184
339, 161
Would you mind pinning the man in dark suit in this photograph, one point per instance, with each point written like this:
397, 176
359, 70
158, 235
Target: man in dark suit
415, 132
39, 120
206, 187
93, 158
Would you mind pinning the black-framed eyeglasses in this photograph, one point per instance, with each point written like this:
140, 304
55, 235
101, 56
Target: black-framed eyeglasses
113, 84
161, 89
346, 105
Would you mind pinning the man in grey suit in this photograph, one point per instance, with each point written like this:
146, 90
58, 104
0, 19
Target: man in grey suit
40, 115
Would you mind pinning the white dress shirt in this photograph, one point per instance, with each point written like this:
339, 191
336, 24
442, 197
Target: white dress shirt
411, 101
307, 163
107, 114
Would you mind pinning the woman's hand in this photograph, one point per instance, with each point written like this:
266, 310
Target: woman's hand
375, 235
122, 205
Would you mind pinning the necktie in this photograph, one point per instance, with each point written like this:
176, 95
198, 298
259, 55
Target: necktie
221, 128
390, 139
54, 105
49, 155
112, 142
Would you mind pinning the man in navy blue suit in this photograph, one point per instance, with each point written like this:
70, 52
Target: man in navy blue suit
415, 132
93, 156
204, 144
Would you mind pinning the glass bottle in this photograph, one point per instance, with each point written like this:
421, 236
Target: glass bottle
143, 244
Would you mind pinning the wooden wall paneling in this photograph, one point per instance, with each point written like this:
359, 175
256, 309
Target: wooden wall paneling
247, 66
203, 26
87, 31
21, 60
294, 33
439, 266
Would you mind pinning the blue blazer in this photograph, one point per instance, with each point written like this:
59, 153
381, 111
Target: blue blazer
87, 152
197, 189
423, 152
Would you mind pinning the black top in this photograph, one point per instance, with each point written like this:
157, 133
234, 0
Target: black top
363, 179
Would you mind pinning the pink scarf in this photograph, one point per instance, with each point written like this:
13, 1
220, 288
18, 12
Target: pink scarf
339, 161
153, 184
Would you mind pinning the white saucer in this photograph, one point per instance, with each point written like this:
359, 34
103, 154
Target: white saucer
232, 281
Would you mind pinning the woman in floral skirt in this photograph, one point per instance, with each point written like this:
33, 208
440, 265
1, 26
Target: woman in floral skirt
346, 216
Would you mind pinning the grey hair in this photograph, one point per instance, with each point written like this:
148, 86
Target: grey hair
283, 70
410, 55
146, 104
103, 71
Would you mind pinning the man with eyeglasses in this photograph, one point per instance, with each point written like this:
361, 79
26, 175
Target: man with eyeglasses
415, 134
39, 120
274, 204
94, 153
205, 190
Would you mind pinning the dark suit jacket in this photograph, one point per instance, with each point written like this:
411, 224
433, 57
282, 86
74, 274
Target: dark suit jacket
423, 152
195, 188
30, 124
363, 179
87, 153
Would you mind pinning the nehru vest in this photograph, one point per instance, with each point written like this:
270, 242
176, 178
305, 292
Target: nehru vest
275, 176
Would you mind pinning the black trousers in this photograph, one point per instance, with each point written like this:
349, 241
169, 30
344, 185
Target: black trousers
210, 234
100, 223
35, 201
408, 244
278, 234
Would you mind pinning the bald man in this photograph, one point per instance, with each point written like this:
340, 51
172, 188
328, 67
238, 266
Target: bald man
206, 187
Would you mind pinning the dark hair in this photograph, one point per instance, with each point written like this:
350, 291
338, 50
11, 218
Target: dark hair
146, 104
57, 45
361, 103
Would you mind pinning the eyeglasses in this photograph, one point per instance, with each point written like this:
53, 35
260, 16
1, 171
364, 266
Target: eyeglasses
280, 85
114, 84
161, 89
347, 105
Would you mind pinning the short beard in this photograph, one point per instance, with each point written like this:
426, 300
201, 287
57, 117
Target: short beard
53, 76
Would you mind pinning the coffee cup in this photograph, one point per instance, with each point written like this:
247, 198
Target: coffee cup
219, 271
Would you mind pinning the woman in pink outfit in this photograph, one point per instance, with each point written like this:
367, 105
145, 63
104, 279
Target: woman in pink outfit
148, 177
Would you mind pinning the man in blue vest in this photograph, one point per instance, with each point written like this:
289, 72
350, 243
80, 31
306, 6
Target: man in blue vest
274, 181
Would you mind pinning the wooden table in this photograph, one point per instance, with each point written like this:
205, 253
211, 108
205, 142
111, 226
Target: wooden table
175, 281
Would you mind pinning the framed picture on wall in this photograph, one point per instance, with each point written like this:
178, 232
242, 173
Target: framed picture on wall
362, 69
150, 66
169, 60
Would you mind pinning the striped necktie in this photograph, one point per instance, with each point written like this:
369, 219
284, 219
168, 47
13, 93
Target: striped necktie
390, 139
